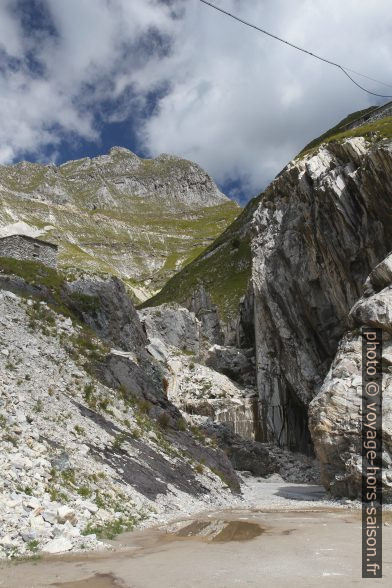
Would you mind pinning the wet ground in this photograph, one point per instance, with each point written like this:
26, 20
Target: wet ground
252, 547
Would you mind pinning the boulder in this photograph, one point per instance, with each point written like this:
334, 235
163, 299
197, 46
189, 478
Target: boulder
57, 545
64, 514
375, 311
172, 324
237, 364
335, 413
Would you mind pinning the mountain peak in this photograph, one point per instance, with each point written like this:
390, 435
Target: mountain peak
117, 150
140, 219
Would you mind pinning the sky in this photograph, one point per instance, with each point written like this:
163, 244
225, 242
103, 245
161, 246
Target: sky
174, 76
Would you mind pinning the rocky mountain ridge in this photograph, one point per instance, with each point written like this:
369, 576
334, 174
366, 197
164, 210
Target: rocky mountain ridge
139, 219
101, 181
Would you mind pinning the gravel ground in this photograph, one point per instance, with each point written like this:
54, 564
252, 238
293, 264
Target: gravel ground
277, 534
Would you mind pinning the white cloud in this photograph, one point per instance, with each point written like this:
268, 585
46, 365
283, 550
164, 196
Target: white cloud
239, 103
10, 32
242, 103
84, 65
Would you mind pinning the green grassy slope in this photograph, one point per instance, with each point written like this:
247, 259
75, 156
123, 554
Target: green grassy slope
336, 129
224, 269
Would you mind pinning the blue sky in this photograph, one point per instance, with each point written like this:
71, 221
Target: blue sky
80, 76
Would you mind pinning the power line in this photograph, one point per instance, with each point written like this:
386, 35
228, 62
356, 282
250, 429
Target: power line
367, 77
343, 69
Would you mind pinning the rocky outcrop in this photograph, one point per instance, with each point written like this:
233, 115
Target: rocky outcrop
320, 228
174, 325
335, 413
237, 364
213, 382
199, 390
201, 305
104, 305
212, 388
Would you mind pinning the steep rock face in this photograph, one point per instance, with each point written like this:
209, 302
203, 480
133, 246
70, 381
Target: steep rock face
201, 305
335, 413
174, 325
105, 306
139, 219
320, 228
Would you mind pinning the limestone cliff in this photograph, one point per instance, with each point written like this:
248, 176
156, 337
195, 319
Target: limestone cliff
335, 413
320, 228
283, 278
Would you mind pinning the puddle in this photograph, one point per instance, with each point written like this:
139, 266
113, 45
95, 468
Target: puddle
98, 581
219, 531
239, 531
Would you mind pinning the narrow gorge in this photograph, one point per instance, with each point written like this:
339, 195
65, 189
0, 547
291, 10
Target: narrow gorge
159, 367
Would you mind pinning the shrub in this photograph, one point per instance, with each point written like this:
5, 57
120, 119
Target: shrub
112, 529
85, 302
38, 406
89, 396
84, 491
163, 420
104, 403
33, 545
69, 476
144, 406
181, 425
118, 440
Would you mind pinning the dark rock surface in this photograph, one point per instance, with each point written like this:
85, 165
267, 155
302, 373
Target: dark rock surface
106, 307
320, 228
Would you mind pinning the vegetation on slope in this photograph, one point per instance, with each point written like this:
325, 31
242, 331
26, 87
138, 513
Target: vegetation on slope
379, 129
224, 269
145, 246
328, 135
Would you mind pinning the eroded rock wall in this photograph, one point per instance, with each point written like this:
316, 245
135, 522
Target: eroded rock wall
335, 413
320, 228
